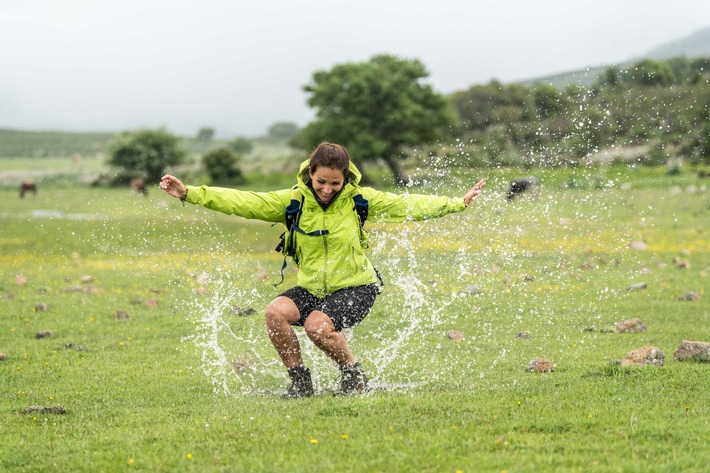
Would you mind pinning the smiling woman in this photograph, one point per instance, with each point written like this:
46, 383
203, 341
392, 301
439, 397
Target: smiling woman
337, 284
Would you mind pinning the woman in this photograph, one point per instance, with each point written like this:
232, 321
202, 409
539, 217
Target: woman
337, 284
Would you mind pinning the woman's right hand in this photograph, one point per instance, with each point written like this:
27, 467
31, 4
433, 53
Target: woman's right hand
173, 186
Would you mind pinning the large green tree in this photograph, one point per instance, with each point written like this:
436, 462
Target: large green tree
146, 153
377, 109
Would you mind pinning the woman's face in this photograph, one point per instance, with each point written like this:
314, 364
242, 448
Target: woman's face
327, 182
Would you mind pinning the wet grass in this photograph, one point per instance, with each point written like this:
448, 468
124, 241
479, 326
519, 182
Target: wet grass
151, 393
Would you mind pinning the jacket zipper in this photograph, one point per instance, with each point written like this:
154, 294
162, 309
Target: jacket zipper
325, 259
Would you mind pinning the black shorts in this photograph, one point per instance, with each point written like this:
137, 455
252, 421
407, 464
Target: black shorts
346, 307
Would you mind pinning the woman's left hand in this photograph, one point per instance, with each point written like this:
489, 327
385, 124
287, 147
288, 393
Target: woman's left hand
474, 192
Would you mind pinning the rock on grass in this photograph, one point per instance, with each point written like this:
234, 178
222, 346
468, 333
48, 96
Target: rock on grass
540, 365
44, 410
644, 356
692, 351
630, 326
455, 335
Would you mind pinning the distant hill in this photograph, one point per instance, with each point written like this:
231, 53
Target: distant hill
695, 45
22, 143
692, 46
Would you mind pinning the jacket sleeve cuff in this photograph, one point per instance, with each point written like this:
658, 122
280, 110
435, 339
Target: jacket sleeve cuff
193, 194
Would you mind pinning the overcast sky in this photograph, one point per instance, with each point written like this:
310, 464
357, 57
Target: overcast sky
240, 66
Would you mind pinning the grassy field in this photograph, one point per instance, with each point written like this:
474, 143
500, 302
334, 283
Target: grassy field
189, 382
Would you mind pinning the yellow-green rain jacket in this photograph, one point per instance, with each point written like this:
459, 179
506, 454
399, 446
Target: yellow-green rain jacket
336, 260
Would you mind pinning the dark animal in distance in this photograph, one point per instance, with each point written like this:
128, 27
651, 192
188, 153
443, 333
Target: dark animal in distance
137, 185
522, 186
28, 186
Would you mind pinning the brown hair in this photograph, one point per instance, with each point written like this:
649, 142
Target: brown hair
329, 155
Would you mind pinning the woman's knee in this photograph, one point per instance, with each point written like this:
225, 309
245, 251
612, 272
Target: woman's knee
280, 311
318, 325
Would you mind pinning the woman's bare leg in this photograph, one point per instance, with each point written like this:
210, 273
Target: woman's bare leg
322, 333
280, 314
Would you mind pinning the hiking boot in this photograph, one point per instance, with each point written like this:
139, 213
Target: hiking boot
301, 383
353, 379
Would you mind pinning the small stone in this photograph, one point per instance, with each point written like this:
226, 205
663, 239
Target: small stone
86, 279
84, 289
644, 356
693, 296
638, 245
44, 410
455, 335
630, 326
202, 279
152, 302
637, 286
20, 281
41, 307
243, 365
540, 365
121, 315
472, 289
71, 346
692, 351
201, 290
44, 334
262, 276
2, 356
241, 311
681, 263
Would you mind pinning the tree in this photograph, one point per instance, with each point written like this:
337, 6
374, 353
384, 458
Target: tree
241, 145
376, 109
205, 133
146, 152
222, 164
651, 73
482, 106
548, 100
283, 131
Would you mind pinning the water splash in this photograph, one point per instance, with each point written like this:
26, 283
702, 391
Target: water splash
402, 342
231, 356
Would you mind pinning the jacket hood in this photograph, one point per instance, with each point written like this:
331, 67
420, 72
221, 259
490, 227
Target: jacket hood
353, 177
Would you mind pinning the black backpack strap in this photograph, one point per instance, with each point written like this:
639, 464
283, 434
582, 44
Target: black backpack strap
287, 245
362, 207
292, 216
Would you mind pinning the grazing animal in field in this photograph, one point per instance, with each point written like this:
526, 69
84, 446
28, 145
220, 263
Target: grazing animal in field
522, 186
28, 186
138, 186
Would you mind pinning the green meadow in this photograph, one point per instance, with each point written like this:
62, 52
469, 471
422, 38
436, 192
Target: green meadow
157, 358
